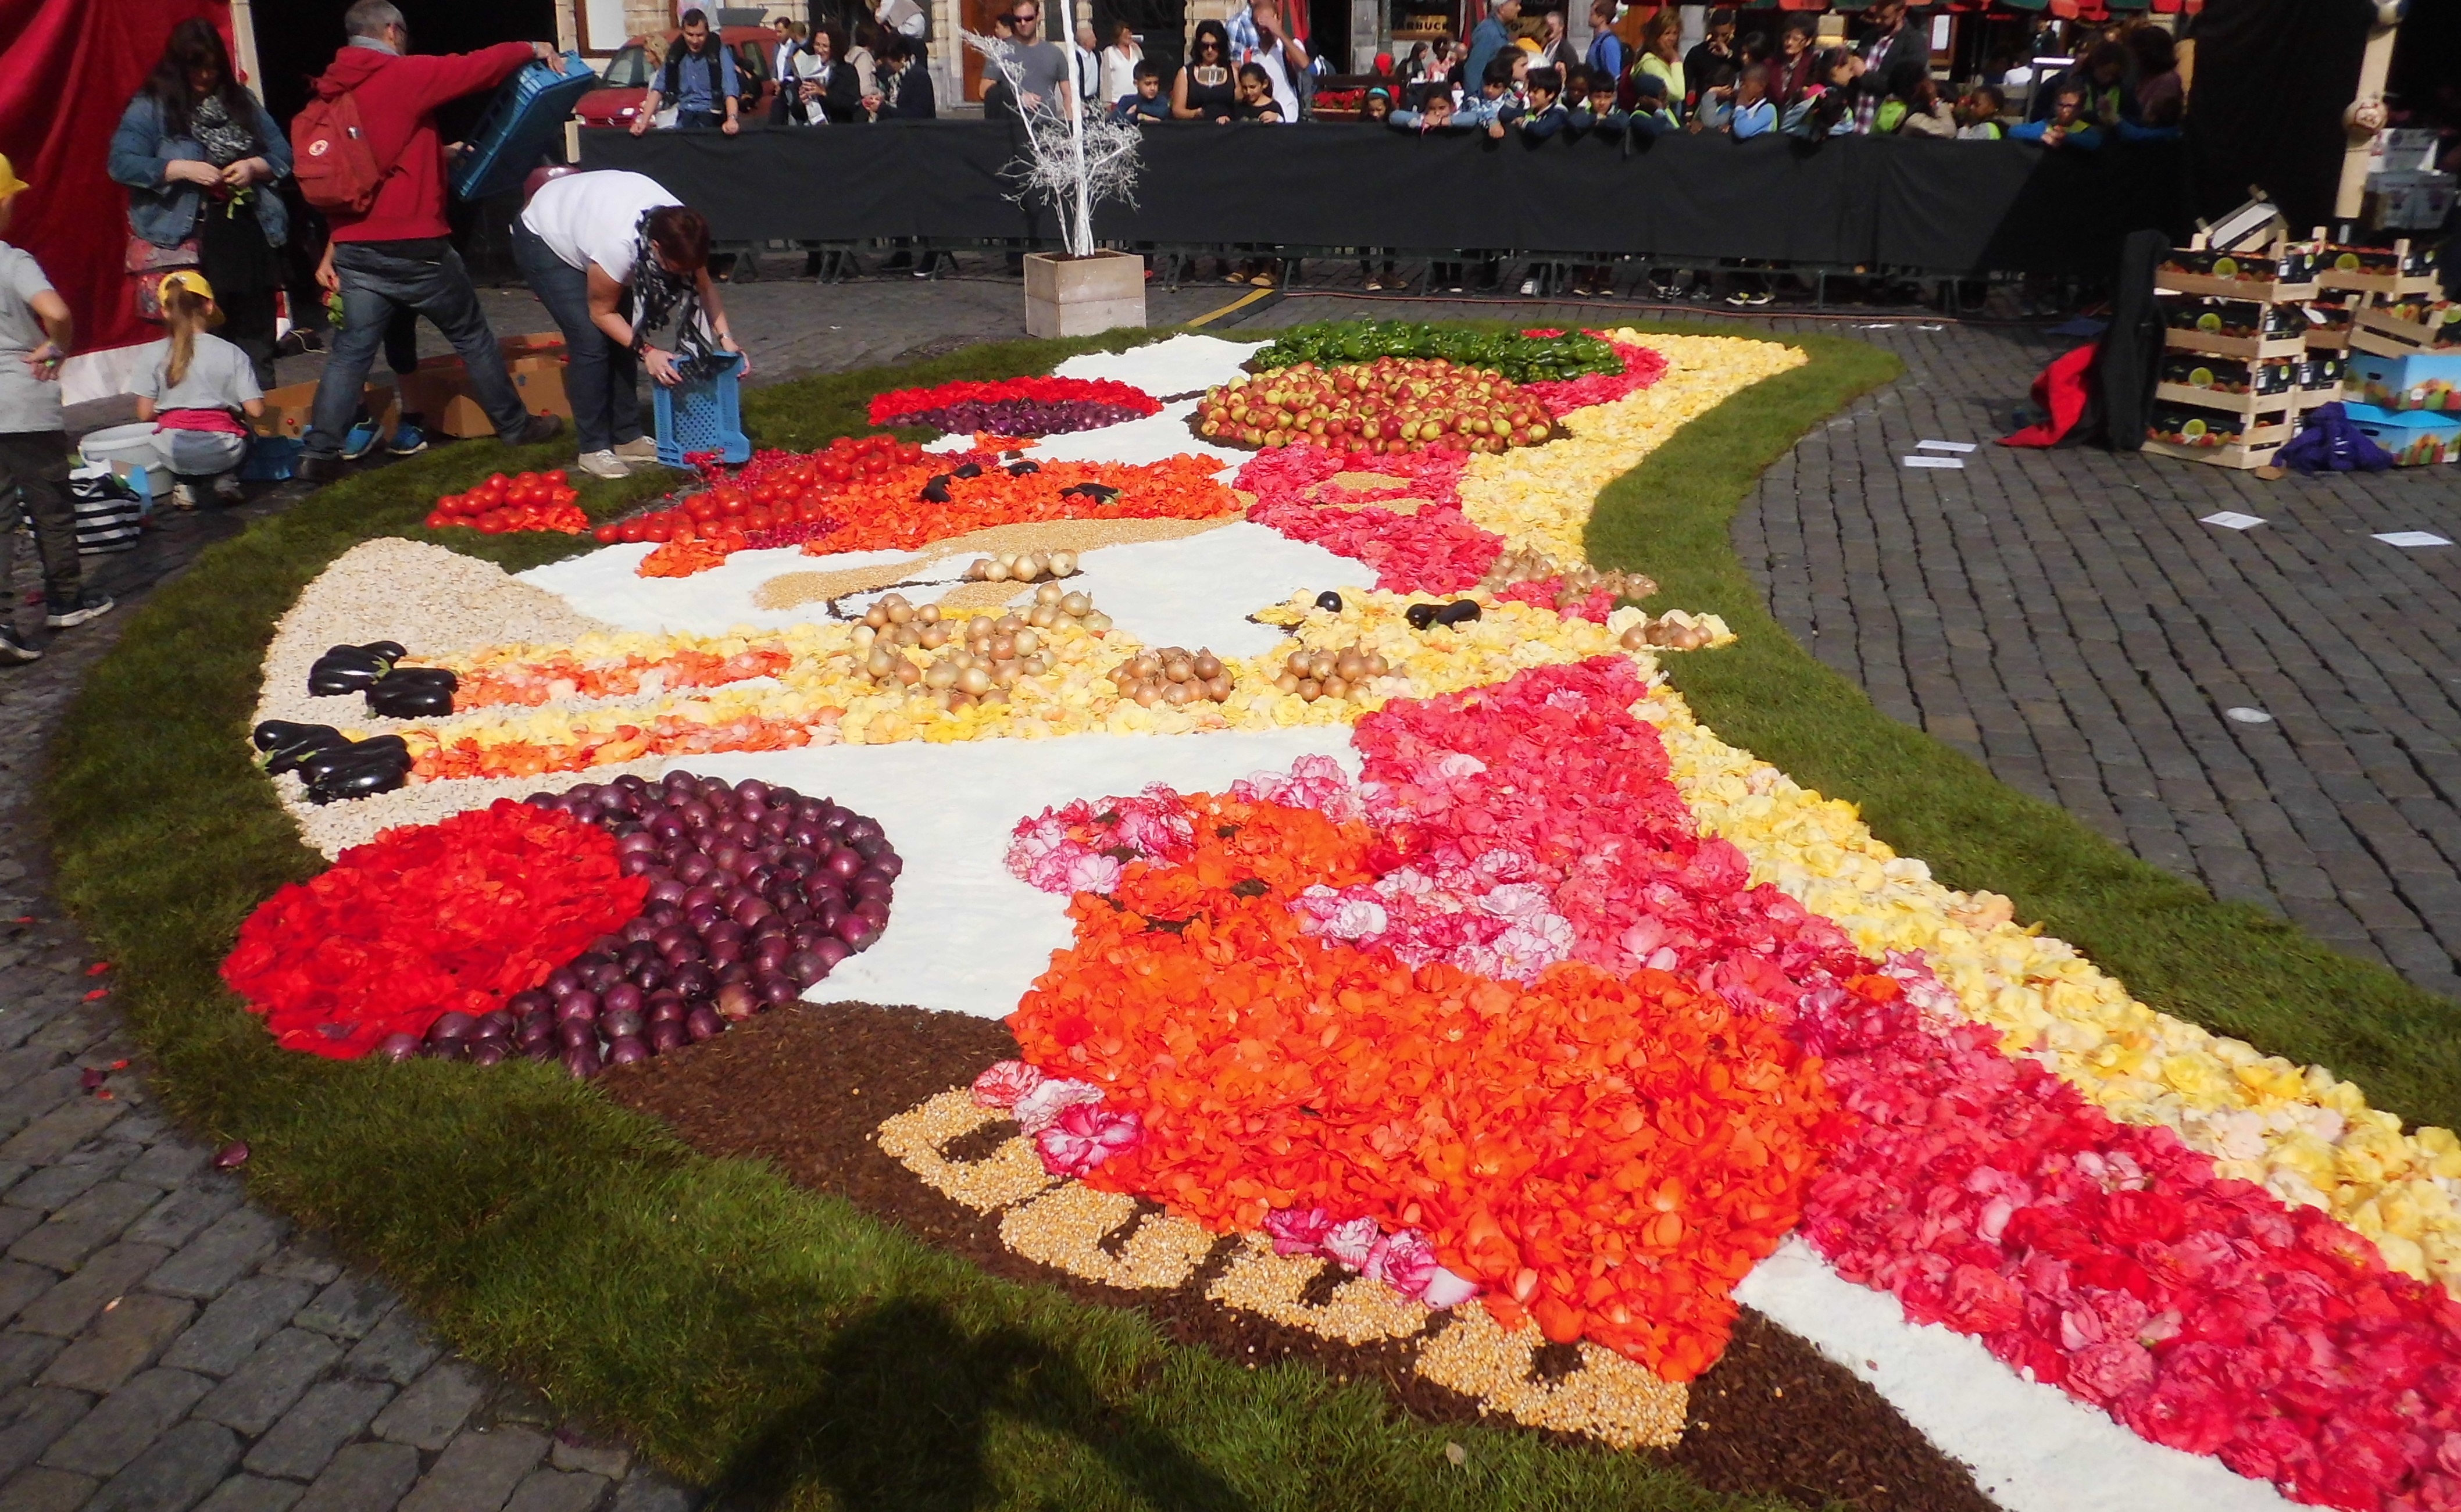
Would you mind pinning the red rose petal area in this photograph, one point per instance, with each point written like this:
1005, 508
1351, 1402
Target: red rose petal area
426, 920
601, 924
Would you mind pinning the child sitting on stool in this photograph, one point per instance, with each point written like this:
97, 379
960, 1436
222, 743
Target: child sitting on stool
196, 380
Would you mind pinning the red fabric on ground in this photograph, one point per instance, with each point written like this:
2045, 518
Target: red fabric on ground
2061, 390
67, 68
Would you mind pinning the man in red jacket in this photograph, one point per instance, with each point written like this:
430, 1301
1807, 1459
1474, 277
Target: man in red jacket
400, 255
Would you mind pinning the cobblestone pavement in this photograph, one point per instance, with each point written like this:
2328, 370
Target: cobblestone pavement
2061, 616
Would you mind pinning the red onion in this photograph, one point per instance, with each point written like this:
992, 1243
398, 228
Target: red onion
665, 1006
626, 1051
701, 917
397, 1047
693, 813
775, 989
581, 1063
576, 1005
704, 896
703, 1023
621, 998
842, 865
445, 1049
520, 1004
616, 1025
888, 864
805, 968
832, 951
873, 909
856, 930
487, 1052
451, 1026
722, 950
668, 1035
694, 980
751, 907
535, 1031
562, 981
667, 825
736, 1001
753, 789
574, 1033
770, 956
731, 972
731, 857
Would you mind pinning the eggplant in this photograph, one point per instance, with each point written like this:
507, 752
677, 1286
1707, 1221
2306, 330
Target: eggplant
277, 733
1420, 616
390, 650
394, 749
936, 491
1020, 469
334, 676
1460, 612
317, 740
1329, 601
414, 701
409, 692
368, 776
970, 470
1100, 493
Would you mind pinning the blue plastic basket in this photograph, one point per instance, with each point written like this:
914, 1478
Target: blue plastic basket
702, 415
521, 125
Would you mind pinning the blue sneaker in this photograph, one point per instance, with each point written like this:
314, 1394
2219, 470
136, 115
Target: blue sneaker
408, 441
361, 440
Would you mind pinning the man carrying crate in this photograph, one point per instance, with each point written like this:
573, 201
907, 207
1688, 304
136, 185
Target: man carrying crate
370, 158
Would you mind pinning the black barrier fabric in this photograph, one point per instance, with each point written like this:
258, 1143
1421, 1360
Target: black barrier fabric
1934, 207
2273, 78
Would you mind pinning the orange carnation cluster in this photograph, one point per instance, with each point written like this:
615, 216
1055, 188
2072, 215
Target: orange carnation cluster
891, 511
666, 735
561, 674
1608, 1157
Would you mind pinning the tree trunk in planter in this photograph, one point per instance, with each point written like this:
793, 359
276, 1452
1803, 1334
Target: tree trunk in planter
1079, 296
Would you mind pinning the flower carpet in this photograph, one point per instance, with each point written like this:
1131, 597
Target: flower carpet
1424, 983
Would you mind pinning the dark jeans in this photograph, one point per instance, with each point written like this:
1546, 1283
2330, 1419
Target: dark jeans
380, 278
35, 466
600, 378
700, 120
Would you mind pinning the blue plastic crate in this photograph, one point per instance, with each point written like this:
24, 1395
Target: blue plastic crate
702, 415
521, 124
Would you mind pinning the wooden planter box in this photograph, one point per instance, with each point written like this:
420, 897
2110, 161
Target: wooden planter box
1081, 296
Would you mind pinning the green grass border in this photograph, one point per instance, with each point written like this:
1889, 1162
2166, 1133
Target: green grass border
746, 1332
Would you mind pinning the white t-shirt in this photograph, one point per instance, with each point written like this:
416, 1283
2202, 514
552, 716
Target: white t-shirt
219, 377
1118, 74
587, 217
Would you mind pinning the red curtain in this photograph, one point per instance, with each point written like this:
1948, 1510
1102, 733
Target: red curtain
67, 68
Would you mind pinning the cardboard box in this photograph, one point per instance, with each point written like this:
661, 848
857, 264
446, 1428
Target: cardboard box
438, 392
2229, 375
2424, 380
2415, 438
291, 409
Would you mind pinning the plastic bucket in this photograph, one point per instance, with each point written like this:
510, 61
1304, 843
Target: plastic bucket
123, 447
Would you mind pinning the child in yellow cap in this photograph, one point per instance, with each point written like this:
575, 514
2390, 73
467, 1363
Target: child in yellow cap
194, 387
36, 334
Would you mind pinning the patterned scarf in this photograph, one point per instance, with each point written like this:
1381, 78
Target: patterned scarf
660, 295
225, 140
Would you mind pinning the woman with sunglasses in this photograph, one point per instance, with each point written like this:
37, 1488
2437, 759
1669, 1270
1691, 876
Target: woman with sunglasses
1205, 89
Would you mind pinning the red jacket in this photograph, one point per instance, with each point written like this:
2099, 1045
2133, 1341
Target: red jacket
397, 98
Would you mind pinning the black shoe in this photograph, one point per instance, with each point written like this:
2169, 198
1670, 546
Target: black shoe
312, 468
15, 653
88, 605
540, 428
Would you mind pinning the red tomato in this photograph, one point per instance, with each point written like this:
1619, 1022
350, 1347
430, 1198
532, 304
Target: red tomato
557, 477
609, 535
730, 506
701, 506
630, 530
491, 524
757, 517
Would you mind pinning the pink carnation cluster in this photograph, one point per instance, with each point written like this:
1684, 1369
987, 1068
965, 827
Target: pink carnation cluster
1641, 368
1082, 848
1066, 1118
1402, 1260
2110, 1259
1435, 550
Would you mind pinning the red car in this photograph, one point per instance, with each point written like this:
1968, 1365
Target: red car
628, 75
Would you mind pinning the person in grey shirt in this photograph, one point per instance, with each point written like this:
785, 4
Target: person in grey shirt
35, 334
1043, 68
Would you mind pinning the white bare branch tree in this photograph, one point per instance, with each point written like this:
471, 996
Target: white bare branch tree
1072, 160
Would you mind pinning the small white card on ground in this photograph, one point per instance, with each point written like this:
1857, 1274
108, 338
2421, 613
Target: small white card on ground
1944, 446
2232, 520
2412, 538
1957, 462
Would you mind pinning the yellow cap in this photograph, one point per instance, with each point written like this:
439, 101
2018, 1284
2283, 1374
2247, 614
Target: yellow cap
9, 182
191, 279
1528, 44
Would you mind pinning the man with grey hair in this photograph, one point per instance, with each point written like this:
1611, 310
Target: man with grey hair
398, 253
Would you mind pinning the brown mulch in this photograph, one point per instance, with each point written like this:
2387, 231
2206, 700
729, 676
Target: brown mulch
805, 1087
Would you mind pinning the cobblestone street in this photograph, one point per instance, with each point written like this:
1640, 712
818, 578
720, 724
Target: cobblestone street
2062, 616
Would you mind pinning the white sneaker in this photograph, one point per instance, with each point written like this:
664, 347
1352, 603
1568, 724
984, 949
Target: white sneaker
1529, 285
604, 464
183, 496
639, 449
227, 488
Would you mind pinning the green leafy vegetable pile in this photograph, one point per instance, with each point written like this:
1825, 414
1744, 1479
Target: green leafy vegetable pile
1524, 359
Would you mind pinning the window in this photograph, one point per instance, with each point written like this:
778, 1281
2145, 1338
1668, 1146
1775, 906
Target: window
630, 68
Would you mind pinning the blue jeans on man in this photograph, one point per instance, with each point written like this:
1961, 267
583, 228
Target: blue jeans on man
601, 378
380, 278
